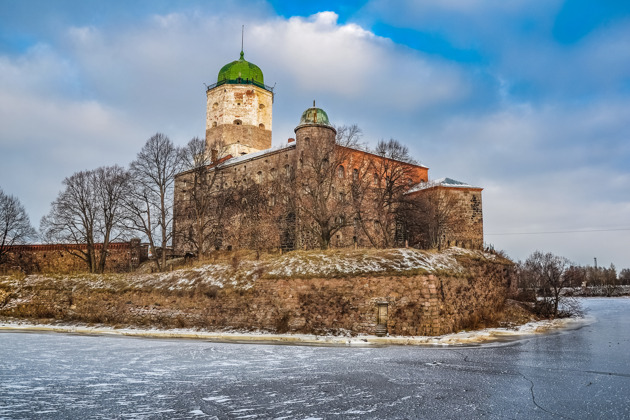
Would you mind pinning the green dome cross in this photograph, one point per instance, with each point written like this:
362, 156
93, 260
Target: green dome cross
314, 115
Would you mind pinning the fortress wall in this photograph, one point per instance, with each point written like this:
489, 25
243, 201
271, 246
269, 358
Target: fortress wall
417, 304
468, 228
59, 258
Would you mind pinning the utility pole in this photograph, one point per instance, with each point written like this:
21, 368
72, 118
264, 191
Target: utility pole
595, 263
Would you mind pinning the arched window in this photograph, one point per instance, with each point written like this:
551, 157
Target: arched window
215, 105
261, 106
214, 124
238, 122
341, 172
273, 173
287, 170
259, 176
375, 179
261, 125
355, 174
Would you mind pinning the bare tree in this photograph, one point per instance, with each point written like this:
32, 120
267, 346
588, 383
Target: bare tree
546, 273
203, 212
15, 226
431, 217
87, 212
112, 185
150, 203
392, 174
256, 220
323, 198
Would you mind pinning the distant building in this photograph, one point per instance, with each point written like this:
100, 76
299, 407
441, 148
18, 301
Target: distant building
367, 199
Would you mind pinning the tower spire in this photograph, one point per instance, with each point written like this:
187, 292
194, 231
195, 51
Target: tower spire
242, 37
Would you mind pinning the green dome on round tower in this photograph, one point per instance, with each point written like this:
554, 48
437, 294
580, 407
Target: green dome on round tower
314, 116
240, 71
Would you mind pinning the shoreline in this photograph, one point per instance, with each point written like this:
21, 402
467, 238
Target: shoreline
461, 339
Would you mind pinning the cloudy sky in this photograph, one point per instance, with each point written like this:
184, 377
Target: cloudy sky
529, 99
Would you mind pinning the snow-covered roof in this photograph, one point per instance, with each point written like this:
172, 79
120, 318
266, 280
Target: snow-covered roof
254, 155
441, 182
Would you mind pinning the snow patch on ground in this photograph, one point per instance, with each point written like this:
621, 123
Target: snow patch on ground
243, 274
465, 338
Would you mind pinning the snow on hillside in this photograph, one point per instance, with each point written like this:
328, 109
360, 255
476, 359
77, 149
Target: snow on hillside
305, 264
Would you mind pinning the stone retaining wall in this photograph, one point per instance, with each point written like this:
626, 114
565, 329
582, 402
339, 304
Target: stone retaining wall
417, 304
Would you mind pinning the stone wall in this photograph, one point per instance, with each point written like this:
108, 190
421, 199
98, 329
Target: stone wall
467, 230
61, 258
239, 114
417, 304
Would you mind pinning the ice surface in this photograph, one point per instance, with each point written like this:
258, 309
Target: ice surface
577, 373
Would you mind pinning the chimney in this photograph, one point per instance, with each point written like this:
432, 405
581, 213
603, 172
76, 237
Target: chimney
214, 155
291, 140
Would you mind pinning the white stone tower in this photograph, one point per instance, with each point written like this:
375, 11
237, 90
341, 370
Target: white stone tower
239, 110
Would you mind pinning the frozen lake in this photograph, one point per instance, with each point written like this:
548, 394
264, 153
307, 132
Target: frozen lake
577, 374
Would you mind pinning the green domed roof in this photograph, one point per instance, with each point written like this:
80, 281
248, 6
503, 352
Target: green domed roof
314, 116
240, 69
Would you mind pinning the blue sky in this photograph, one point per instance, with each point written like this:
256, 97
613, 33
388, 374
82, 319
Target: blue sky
529, 99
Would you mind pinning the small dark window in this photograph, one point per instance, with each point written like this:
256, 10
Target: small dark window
261, 125
341, 172
238, 122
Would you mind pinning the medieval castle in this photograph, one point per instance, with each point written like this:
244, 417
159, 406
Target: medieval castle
316, 190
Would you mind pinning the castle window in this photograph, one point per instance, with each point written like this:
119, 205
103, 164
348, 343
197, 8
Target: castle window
238, 122
261, 106
273, 172
375, 179
355, 174
214, 124
342, 197
238, 103
259, 176
341, 172
261, 125
272, 201
215, 105
287, 170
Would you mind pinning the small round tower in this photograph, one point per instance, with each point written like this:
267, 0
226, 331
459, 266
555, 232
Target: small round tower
314, 129
239, 110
